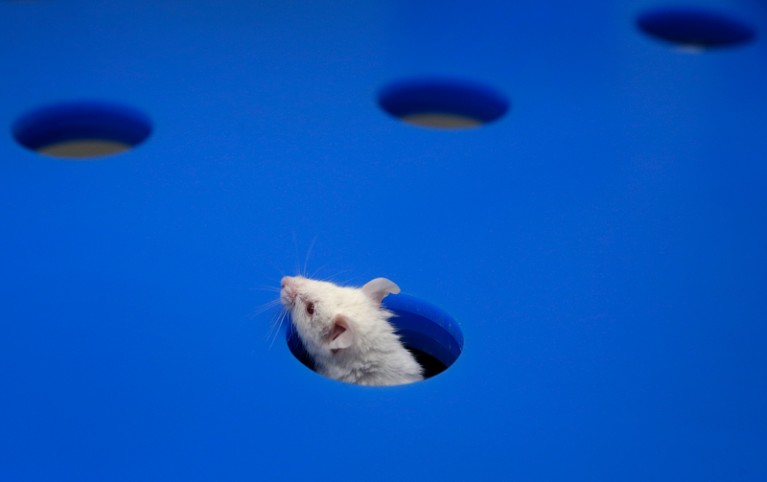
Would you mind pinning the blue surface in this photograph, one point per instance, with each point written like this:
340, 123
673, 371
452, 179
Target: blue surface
602, 244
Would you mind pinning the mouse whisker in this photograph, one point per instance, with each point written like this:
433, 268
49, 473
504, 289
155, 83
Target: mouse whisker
308, 255
269, 288
273, 324
268, 306
278, 328
297, 267
278, 271
334, 277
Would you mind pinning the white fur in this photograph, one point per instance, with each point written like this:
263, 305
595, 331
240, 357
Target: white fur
349, 336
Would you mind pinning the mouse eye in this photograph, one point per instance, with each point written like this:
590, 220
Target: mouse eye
310, 308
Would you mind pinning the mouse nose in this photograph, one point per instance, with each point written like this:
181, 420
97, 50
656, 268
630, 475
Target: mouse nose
288, 291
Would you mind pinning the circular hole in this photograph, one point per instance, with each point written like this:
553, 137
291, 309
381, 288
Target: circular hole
694, 29
442, 103
82, 130
430, 334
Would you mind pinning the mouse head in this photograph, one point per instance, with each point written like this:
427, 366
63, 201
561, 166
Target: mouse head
332, 319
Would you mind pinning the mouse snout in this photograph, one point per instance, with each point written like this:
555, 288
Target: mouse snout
288, 291
289, 281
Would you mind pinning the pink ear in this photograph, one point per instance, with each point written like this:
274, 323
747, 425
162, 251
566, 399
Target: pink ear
378, 288
341, 336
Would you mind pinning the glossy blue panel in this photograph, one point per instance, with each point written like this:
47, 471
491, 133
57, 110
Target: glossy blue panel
602, 244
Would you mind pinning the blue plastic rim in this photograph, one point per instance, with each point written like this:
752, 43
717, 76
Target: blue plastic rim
432, 334
695, 27
82, 120
470, 100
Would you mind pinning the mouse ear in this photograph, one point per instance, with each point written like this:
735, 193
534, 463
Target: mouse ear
378, 288
341, 336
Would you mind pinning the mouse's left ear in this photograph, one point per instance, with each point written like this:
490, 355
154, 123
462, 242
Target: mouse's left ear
378, 288
341, 336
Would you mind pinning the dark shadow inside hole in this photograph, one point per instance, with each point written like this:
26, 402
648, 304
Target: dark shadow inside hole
695, 27
82, 129
442, 103
431, 366
298, 350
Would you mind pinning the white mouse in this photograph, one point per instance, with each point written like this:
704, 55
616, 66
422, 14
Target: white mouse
347, 332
